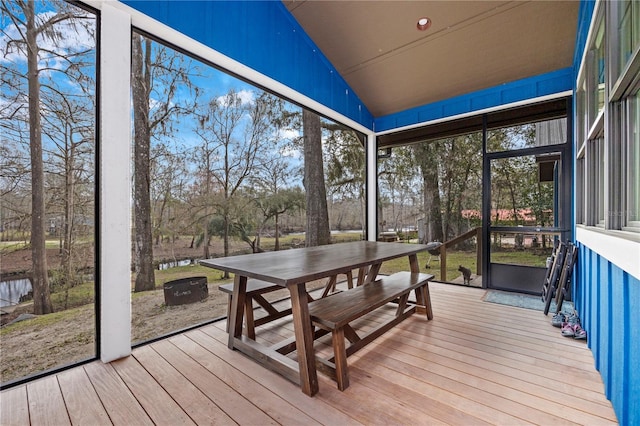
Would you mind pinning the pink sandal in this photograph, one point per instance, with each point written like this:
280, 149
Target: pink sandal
568, 330
579, 333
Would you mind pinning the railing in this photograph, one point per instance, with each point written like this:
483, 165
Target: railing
476, 232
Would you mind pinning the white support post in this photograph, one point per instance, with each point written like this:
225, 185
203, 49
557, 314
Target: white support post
372, 188
115, 184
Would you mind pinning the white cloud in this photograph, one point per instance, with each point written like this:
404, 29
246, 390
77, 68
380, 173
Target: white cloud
288, 134
246, 97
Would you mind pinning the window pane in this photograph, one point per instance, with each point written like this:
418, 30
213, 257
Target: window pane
580, 191
624, 31
224, 177
636, 23
47, 204
600, 175
432, 192
524, 249
522, 191
543, 133
581, 118
598, 82
633, 183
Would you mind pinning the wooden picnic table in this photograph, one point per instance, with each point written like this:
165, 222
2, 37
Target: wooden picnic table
292, 269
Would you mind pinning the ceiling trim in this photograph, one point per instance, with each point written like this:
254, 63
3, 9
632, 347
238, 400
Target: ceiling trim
545, 108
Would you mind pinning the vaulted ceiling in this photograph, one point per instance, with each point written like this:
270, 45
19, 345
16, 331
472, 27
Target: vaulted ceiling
470, 45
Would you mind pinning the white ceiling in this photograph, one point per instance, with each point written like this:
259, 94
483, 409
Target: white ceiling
471, 45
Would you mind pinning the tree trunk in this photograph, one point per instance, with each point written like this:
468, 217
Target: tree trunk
427, 159
205, 238
317, 230
69, 203
39, 279
143, 241
277, 231
225, 232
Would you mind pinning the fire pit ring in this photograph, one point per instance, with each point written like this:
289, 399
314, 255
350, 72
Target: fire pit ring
185, 290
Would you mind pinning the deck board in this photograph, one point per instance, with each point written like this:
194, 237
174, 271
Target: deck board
81, 399
46, 404
475, 363
14, 408
157, 403
274, 406
194, 402
121, 405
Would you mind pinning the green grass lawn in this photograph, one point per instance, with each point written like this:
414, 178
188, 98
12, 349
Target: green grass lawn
466, 259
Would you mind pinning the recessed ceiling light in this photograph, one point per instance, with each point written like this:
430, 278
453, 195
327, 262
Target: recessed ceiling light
423, 23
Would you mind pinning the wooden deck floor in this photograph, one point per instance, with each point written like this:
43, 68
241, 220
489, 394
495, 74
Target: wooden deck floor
475, 363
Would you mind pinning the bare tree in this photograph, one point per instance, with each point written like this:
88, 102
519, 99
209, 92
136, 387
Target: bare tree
397, 184
69, 123
169, 178
270, 184
234, 131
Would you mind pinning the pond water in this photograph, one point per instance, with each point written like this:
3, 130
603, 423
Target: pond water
167, 265
11, 291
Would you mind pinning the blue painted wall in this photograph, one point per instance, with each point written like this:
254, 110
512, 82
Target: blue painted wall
608, 301
264, 36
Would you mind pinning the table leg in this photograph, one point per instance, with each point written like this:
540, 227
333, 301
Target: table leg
237, 309
423, 297
362, 275
374, 269
413, 263
304, 339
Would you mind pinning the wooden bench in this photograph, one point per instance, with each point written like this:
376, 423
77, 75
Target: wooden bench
334, 313
255, 290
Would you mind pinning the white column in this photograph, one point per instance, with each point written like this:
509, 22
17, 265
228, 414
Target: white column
372, 189
115, 184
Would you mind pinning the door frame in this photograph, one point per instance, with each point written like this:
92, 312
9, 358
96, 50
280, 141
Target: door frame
563, 201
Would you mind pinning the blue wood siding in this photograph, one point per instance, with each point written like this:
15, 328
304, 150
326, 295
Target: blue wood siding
265, 37
608, 301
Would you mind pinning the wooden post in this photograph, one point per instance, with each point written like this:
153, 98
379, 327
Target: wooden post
443, 262
479, 251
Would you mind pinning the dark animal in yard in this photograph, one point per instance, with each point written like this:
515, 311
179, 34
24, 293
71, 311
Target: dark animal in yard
466, 274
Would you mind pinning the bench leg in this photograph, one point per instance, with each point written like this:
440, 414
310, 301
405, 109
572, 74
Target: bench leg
426, 297
248, 315
248, 312
340, 358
